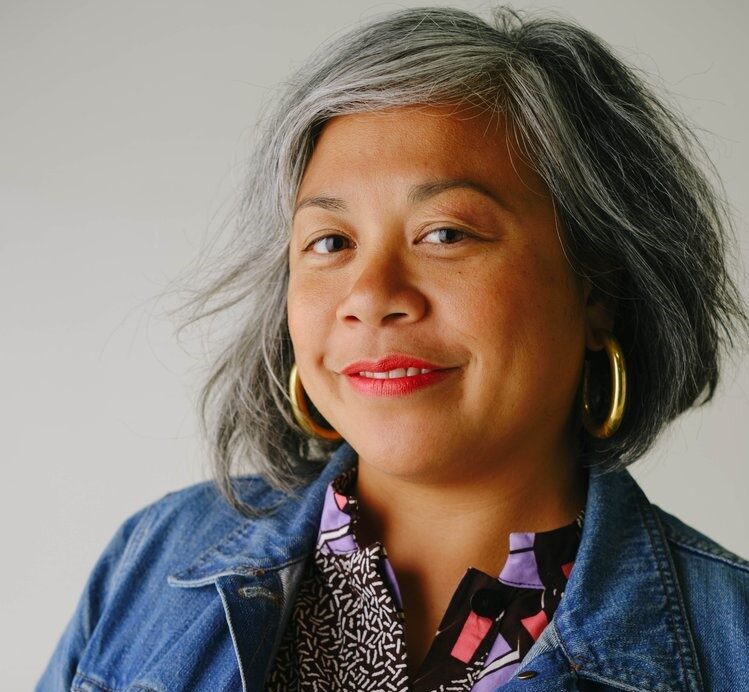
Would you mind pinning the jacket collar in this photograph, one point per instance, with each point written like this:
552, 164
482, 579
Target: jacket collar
621, 621
285, 535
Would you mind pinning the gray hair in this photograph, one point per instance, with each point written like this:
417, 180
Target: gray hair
639, 216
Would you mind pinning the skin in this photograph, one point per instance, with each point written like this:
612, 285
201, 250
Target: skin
446, 472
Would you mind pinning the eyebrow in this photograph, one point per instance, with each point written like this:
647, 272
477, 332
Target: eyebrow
417, 194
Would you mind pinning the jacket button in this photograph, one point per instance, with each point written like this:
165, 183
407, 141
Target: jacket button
487, 603
527, 675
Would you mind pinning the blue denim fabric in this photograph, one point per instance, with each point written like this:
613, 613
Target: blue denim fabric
189, 595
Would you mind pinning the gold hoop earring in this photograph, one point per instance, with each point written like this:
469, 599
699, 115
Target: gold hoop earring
618, 390
301, 410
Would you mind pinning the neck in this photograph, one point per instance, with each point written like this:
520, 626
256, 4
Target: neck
464, 518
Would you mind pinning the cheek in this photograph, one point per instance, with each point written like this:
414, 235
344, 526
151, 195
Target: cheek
310, 308
545, 288
522, 307
493, 300
298, 312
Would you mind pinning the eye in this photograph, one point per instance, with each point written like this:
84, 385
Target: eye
329, 242
447, 234
332, 243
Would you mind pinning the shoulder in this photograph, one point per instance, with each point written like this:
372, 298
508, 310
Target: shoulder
204, 496
715, 580
127, 594
707, 569
714, 588
696, 548
185, 521
170, 532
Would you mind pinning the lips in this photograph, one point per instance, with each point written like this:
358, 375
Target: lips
392, 362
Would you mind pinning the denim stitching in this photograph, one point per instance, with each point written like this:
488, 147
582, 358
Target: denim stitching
232, 632
672, 592
708, 554
676, 536
685, 627
137, 537
100, 685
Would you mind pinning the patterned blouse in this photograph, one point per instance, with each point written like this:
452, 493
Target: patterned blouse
347, 632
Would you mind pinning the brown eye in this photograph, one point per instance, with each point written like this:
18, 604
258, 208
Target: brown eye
331, 243
447, 234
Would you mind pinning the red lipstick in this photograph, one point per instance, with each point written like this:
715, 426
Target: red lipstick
391, 362
394, 386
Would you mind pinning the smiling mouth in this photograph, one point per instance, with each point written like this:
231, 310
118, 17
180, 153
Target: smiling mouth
394, 374
396, 382
392, 365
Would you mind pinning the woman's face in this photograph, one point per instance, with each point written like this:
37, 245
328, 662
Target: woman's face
420, 234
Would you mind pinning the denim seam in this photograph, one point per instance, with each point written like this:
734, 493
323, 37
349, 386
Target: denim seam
666, 589
686, 627
80, 675
132, 544
673, 592
707, 554
633, 683
245, 571
575, 665
557, 640
137, 538
131, 550
232, 632
234, 535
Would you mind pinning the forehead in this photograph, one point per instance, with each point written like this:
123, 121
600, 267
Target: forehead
412, 143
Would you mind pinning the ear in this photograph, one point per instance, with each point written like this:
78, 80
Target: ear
600, 309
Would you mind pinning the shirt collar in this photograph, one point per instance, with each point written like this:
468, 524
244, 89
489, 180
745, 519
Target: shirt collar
340, 514
623, 582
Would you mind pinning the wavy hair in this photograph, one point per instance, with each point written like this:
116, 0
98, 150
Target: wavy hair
629, 178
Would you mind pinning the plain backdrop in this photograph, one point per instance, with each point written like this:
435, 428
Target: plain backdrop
123, 131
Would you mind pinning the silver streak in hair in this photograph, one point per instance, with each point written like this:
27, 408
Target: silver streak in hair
638, 215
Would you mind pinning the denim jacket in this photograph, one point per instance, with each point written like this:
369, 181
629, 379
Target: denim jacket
190, 595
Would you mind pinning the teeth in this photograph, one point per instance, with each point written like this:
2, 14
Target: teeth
391, 374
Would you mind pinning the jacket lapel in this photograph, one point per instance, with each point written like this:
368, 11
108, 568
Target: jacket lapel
621, 624
257, 568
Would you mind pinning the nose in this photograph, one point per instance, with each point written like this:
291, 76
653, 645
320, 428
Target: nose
383, 291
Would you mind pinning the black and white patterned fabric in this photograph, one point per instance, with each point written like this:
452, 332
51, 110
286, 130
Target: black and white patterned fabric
347, 629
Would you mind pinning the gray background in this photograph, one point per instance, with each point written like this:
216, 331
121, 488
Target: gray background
123, 130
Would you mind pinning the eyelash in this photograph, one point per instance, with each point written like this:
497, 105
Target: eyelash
434, 230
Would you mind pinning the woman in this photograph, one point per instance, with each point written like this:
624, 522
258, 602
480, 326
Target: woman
483, 271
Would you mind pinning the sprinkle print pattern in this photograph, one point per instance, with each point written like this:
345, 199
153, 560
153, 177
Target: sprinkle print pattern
347, 628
